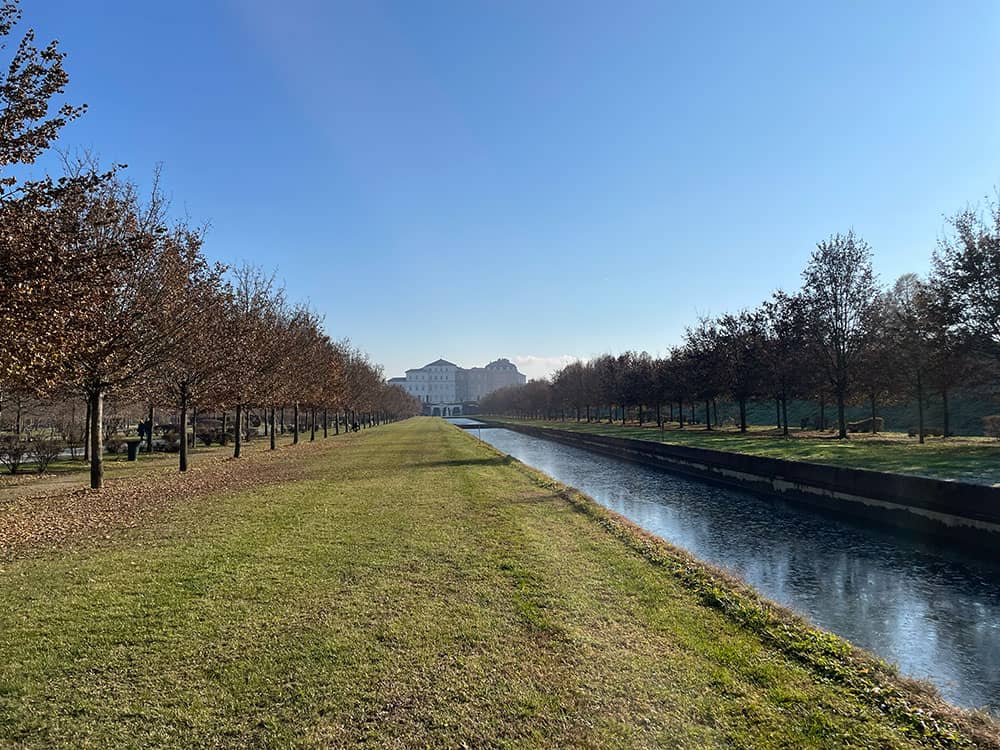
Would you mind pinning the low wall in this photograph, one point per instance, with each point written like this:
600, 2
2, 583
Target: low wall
955, 510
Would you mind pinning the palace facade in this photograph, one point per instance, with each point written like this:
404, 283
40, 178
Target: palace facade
444, 387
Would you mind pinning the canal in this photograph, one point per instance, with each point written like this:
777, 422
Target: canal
927, 607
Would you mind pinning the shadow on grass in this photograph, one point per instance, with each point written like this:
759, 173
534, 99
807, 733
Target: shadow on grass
493, 461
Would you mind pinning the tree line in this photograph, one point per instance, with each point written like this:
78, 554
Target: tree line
840, 339
102, 293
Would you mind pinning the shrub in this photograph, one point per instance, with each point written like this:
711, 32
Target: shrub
209, 435
171, 441
45, 452
991, 426
114, 445
13, 451
865, 425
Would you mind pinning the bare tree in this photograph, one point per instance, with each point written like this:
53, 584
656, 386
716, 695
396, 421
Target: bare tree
879, 375
910, 321
786, 349
966, 279
701, 357
840, 288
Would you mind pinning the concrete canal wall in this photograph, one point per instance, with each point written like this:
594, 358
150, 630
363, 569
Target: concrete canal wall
957, 511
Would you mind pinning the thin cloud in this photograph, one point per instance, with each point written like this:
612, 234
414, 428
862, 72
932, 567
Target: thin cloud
536, 367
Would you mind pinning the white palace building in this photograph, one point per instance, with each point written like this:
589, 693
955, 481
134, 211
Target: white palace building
445, 389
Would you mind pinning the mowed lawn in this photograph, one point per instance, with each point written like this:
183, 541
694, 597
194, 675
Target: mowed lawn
966, 459
414, 588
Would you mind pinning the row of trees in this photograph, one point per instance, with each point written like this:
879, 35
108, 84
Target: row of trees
102, 293
840, 339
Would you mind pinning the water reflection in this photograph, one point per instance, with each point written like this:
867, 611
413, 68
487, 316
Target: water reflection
924, 606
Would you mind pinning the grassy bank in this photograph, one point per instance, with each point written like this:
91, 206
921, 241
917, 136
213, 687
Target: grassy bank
966, 459
406, 587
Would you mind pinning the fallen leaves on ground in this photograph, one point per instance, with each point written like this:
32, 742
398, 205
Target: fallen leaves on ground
56, 516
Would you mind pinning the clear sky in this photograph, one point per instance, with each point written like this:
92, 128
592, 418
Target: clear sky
540, 179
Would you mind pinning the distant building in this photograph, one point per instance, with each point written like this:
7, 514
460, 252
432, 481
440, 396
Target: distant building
445, 389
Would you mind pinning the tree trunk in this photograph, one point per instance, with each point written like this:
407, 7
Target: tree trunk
841, 417
273, 437
184, 442
326, 424
86, 430
295, 427
96, 398
312, 424
659, 416
238, 442
336, 422
743, 415
945, 416
708, 415
784, 412
920, 406
680, 413
611, 413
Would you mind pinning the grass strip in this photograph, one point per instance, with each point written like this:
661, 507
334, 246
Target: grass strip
966, 459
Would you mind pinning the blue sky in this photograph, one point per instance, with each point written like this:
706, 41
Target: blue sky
540, 179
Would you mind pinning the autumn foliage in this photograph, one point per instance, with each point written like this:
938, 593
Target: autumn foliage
103, 295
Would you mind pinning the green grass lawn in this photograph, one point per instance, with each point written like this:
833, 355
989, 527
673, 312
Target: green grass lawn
414, 588
965, 459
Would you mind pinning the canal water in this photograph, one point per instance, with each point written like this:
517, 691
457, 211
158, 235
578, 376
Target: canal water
924, 606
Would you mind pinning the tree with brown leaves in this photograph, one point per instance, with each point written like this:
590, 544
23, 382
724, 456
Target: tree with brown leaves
133, 320
34, 278
195, 370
